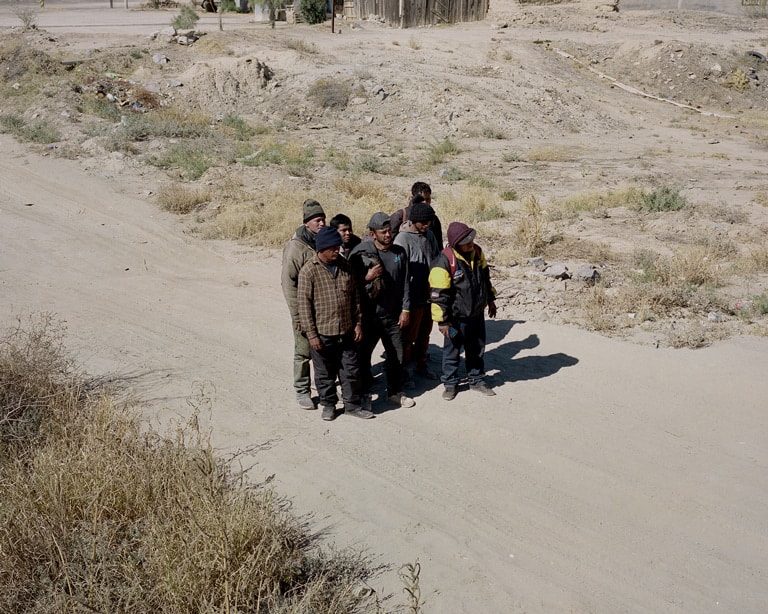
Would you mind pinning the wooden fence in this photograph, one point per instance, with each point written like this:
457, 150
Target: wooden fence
419, 12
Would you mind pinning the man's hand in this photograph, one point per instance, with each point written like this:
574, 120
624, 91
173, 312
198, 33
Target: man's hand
405, 319
445, 330
316, 344
358, 333
492, 309
374, 272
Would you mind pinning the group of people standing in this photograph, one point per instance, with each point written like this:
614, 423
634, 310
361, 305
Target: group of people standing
345, 294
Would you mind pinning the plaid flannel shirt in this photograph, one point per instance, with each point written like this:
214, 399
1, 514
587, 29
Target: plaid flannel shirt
329, 305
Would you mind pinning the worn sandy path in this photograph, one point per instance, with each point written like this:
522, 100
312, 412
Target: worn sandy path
604, 477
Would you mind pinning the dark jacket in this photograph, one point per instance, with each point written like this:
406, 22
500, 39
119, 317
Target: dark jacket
297, 252
466, 293
389, 294
346, 250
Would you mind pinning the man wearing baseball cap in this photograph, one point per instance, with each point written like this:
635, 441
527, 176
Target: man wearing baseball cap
381, 270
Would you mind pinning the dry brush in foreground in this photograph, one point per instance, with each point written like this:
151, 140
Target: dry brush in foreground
100, 513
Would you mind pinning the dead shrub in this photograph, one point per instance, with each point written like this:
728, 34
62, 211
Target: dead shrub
178, 198
358, 188
531, 228
471, 205
598, 309
330, 94
551, 153
99, 510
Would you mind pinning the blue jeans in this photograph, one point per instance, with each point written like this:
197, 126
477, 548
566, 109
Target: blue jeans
470, 337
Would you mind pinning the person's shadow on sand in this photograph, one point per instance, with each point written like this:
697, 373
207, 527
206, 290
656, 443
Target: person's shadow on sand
509, 369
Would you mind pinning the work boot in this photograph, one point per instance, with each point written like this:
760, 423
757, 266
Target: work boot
367, 402
483, 389
401, 400
449, 394
329, 412
359, 413
305, 401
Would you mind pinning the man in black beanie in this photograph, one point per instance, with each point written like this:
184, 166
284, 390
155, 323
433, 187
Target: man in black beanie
329, 312
421, 248
299, 250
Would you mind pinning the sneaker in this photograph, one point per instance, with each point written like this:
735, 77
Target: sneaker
401, 400
426, 372
367, 402
359, 413
305, 401
329, 412
483, 388
449, 394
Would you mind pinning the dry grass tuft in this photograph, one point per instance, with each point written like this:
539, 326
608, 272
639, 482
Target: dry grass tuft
551, 153
268, 218
360, 188
100, 513
531, 229
177, 198
330, 93
472, 205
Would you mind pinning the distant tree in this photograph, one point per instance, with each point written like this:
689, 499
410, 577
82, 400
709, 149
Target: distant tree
313, 11
186, 19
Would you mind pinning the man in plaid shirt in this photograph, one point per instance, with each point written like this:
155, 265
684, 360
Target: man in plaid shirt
330, 316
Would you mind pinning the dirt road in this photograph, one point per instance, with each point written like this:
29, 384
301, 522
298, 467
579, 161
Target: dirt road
604, 477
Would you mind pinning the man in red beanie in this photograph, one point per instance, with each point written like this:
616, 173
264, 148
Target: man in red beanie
460, 290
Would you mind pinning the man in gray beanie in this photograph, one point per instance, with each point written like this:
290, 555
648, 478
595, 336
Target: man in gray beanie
330, 316
297, 252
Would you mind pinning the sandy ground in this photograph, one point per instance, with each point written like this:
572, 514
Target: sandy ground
604, 477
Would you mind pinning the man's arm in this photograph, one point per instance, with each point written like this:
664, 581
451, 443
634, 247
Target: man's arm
485, 271
305, 301
289, 277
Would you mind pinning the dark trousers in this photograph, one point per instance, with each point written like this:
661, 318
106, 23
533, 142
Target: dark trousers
387, 330
416, 337
337, 359
470, 336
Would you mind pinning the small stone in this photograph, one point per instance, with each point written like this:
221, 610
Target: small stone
537, 261
587, 273
368, 119
159, 58
358, 100
557, 270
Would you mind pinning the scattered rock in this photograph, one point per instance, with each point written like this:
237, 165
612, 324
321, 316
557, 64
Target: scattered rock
159, 58
537, 261
557, 270
586, 272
